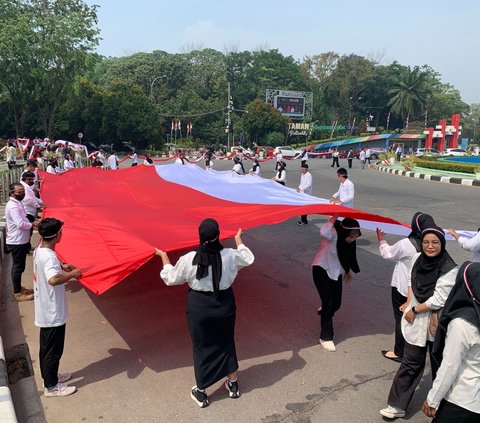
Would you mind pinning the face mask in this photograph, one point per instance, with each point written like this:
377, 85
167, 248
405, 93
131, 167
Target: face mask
19, 197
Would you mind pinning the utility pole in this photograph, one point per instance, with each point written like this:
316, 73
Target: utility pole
228, 122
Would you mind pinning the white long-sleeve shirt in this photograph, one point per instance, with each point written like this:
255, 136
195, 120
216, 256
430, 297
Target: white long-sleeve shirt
458, 379
30, 203
18, 226
471, 244
401, 253
306, 183
416, 333
346, 193
184, 271
282, 177
327, 256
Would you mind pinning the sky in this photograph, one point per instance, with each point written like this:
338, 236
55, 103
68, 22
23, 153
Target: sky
442, 34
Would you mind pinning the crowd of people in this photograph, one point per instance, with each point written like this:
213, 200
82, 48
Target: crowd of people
435, 302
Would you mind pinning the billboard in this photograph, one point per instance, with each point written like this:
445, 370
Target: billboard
290, 106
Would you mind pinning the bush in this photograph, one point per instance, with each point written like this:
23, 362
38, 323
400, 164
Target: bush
447, 166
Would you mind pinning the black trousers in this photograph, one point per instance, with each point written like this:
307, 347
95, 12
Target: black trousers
397, 300
335, 161
350, 163
409, 374
303, 218
52, 341
19, 256
330, 292
452, 413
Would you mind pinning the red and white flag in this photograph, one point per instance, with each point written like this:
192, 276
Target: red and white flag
107, 250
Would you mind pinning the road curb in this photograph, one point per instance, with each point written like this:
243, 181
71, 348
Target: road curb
436, 178
7, 410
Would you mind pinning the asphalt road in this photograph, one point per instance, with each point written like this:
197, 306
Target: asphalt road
130, 352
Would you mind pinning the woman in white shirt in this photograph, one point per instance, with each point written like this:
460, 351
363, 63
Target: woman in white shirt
255, 170
455, 394
281, 175
336, 255
432, 278
238, 166
211, 310
401, 253
68, 163
470, 244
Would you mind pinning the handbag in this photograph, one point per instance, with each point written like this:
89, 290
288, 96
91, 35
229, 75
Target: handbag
433, 322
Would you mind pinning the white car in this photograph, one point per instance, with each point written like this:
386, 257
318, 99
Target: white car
426, 152
245, 151
459, 152
286, 151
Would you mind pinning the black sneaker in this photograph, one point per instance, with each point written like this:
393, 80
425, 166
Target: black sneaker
199, 397
232, 388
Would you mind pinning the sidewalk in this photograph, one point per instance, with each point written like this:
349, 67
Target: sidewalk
19, 394
430, 174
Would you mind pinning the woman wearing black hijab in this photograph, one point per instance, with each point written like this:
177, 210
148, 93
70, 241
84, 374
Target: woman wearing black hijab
336, 255
211, 310
431, 280
455, 394
401, 253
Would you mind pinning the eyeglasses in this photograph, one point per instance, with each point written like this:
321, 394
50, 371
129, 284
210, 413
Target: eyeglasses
432, 243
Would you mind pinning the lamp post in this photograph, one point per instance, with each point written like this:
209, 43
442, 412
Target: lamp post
151, 86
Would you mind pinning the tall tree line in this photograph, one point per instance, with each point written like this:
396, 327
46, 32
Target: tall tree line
54, 84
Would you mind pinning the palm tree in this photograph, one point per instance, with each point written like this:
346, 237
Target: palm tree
409, 92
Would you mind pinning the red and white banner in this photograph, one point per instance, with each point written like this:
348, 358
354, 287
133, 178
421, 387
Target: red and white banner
114, 220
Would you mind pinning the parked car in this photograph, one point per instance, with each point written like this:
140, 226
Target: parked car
426, 152
286, 151
458, 152
244, 150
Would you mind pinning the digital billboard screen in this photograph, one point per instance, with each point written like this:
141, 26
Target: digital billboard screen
290, 106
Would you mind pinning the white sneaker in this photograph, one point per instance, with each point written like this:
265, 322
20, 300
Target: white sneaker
60, 390
391, 412
63, 377
328, 345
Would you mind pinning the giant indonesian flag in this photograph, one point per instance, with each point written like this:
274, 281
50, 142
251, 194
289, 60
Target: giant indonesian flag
115, 219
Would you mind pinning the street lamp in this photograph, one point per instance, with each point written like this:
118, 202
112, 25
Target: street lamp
151, 86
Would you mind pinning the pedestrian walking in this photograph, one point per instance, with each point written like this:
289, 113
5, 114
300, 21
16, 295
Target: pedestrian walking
306, 187
281, 174
346, 191
401, 253
455, 393
431, 280
362, 157
332, 265
335, 155
350, 158
211, 311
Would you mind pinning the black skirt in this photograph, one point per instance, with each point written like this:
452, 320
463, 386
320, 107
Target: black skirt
211, 322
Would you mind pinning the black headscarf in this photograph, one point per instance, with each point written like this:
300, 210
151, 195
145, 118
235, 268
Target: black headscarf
208, 252
420, 221
347, 253
463, 301
255, 165
281, 168
427, 270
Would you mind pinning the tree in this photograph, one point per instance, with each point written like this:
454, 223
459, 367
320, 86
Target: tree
262, 119
44, 45
409, 92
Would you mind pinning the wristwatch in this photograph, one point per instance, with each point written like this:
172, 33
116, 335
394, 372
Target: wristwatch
414, 311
